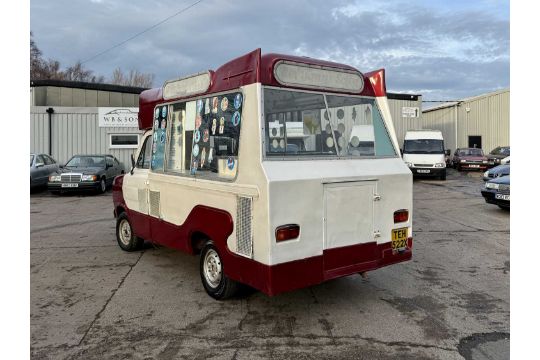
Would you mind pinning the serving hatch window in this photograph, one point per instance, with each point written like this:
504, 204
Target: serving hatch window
199, 138
316, 124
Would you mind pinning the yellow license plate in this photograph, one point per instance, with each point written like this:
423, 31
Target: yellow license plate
399, 238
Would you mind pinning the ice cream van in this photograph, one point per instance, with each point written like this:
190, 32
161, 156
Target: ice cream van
279, 171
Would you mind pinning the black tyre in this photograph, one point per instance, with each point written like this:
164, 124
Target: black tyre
214, 280
125, 236
102, 187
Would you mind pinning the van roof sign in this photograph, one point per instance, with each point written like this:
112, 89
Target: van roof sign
191, 85
290, 73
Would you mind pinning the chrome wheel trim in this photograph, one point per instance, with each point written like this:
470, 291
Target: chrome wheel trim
212, 270
124, 232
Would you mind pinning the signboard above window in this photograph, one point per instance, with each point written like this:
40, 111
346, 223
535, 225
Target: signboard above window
191, 85
118, 117
318, 77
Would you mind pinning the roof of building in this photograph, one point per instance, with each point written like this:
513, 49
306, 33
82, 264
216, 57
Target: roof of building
469, 99
87, 86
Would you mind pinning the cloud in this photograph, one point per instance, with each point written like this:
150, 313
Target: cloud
445, 51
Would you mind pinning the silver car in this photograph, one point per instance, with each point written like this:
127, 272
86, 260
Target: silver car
41, 166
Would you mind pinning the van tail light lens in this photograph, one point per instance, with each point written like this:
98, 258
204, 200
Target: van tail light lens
401, 216
287, 232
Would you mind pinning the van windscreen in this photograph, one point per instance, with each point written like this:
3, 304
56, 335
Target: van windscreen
322, 125
423, 146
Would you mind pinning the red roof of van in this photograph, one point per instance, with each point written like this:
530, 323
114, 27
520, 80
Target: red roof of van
254, 68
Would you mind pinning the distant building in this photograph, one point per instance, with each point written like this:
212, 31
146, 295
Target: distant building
68, 117
481, 121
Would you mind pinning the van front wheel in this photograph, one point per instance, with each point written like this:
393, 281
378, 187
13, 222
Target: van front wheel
215, 282
126, 238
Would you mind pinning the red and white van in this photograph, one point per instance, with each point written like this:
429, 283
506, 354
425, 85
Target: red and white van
280, 171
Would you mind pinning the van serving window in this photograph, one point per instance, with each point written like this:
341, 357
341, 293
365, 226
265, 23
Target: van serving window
315, 124
201, 137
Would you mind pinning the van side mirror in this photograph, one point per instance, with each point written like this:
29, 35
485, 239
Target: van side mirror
61, 166
132, 164
447, 152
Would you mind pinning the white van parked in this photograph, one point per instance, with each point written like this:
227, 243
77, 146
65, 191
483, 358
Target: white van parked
423, 152
281, 172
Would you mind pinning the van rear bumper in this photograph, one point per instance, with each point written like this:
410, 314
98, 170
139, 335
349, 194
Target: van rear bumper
275, 279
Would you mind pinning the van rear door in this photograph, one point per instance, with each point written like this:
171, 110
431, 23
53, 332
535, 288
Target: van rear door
348, 220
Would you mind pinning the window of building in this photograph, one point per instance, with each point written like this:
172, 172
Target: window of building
124, 141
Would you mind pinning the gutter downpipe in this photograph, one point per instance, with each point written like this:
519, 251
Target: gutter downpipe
456, 122
50, 111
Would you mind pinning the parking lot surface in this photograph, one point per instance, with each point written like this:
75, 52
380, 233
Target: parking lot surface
91, 300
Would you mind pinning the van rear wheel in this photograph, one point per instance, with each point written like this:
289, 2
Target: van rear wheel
215, 282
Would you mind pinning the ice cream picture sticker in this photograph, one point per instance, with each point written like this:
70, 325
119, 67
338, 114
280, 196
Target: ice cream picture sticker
224, 103
237, 101
164, 111
195, 150
214, 126
197, 136
156, 113
206, 135
230, 163
215, 103
236, 118
198, 121
203, 157
221, 125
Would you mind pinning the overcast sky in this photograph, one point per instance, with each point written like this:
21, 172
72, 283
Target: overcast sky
439, 49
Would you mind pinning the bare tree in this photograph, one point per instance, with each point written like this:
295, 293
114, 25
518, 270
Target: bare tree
77, 72
132, 78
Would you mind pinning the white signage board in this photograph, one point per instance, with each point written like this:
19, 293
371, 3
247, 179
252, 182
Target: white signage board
410, 112
118, 117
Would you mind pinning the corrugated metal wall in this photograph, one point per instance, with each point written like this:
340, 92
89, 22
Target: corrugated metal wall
75, 130
487, 116
402, 124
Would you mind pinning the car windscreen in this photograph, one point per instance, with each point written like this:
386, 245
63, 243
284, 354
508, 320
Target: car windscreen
470, 152
423, 146
320, 125
31, 159
86, 161
501, 151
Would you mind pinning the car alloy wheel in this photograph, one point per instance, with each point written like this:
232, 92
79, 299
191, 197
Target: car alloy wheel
102, 185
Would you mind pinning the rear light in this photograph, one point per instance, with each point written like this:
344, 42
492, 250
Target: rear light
287, 232
401, 216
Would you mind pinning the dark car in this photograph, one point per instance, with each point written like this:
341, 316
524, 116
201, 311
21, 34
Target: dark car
496, 155
497, 191
469, 158
497, 171
41, 166
86, 172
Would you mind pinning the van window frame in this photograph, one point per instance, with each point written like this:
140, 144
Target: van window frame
317, 157
168, 135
